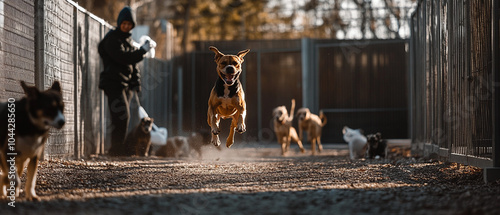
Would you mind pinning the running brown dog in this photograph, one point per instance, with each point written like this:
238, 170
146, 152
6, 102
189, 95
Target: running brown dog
283, 128
227, 99
312, 124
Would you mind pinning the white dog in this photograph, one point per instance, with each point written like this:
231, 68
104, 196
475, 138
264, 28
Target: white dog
357, 142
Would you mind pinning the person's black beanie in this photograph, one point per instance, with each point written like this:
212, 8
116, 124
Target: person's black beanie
126, 15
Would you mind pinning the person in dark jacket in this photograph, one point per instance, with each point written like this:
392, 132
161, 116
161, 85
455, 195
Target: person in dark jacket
120, 77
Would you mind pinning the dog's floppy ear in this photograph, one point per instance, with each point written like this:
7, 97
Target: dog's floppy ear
29, 90
308, 113
56, 86
218, 54
242, 54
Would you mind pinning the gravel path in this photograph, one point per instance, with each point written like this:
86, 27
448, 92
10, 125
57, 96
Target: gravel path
255, 179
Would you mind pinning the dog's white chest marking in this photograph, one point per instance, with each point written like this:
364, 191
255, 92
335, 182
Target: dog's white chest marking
226, 101
226, 92
29, 145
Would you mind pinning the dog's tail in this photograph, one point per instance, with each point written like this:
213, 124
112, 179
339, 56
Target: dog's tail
322, 116
292, 109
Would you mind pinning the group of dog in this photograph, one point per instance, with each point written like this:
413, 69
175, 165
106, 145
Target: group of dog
138, 142
25, 125
311, 123
39, 111
25, 129
360, 146
371, 146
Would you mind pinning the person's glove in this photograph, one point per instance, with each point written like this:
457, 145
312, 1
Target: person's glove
135, 86
146, 46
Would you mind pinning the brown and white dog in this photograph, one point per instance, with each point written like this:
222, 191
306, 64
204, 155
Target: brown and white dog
24, 129
312, 124
283, 128
227, 99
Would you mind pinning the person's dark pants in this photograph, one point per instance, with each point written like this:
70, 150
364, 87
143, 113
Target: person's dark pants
119, 107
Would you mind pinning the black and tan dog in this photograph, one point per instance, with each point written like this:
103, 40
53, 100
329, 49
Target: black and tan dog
312, 124
283, 128
138, 141
227, 99
24, 129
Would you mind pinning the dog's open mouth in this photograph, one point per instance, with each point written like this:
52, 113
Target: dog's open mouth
229, 78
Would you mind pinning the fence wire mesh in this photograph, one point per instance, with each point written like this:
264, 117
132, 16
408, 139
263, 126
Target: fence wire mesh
450, 71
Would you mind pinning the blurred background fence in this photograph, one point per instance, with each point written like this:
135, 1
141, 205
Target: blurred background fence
358, 83
452, 80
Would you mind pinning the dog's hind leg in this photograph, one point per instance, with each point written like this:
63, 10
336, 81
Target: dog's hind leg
313, 146
320, 147
288, 140
296, 139
283, 148
301, 146
230, 138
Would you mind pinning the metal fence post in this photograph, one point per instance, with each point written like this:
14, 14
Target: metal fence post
306, 69
492, 174
180, 101
76, 147
39, 41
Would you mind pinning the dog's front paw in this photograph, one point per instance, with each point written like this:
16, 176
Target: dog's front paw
215, 140
241, 128
31, 196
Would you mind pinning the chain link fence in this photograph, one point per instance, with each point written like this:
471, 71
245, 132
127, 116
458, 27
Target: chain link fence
451, 81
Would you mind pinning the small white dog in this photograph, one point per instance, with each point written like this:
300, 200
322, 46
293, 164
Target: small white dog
357, 142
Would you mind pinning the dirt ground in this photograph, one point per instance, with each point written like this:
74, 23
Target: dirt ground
256, 179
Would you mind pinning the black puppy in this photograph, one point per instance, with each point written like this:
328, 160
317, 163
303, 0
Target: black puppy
376, 146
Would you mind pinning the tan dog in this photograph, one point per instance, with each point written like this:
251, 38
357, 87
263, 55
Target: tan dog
227, 99
283, 128
24, 130
313, 125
